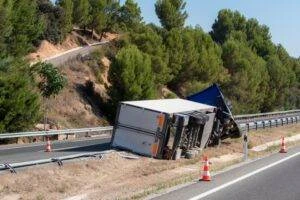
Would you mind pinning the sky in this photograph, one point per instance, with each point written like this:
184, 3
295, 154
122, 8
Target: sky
281, 16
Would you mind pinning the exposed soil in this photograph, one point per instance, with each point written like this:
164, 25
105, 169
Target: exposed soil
46, 49
115, 177
72, 108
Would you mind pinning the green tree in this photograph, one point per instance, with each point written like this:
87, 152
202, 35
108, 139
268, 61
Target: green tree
248, 77
202, 64
81, 13
278, 84
131, 76
259, 38
171, 13
130, 15
27, 27
148, 41
19, 100
175, 50
98, 16
227, 22
67, 22
53, 17
5, 25
52, 80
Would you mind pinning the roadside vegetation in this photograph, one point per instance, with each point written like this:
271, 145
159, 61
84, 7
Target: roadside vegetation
255, 74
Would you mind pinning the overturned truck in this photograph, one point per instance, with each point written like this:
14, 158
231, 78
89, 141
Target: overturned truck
171, 128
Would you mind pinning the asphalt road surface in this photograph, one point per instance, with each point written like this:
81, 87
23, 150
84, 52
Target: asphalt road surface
276, 177
69, 55
30, 152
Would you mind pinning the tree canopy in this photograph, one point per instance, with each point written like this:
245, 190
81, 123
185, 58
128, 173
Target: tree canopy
171, 13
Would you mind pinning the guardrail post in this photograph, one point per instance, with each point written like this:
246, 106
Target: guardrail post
245, 145
264, 125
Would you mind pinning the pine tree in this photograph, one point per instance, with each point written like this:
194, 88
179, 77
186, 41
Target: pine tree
148, 41
131, 76
171, 13
27, 27
249, 78
67, 22
130, 15
19, 101
81, 14
5, 25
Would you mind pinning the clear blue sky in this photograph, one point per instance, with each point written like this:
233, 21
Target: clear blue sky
281, 16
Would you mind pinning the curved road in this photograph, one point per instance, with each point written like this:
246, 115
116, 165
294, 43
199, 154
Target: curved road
73, 53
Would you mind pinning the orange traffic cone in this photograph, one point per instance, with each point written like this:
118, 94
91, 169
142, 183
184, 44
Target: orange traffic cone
283, 149
205, 172
48, 145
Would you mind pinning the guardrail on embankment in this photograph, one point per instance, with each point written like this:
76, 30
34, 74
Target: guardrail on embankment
94, 130
58, 160
267, 120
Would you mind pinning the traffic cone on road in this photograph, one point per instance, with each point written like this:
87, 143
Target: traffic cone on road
48, 145
283, 149
205, 172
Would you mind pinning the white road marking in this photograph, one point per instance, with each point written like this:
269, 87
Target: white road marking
41, 143
200, 196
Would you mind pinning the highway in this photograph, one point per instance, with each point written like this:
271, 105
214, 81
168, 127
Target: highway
35, 151
276, 177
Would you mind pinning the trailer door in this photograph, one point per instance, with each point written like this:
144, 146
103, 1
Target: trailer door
138, 129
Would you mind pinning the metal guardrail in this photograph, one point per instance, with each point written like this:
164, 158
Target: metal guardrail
55, 132
12, 166
268, 114
268, 123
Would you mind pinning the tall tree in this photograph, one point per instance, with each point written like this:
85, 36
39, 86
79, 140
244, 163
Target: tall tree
27, 27
278, 84
130, 14
227, 22
81, 13
202, 64
53, 17
19, 101
131, 76
67, 22
175, 50
148, 41
248, 77
5, 25
171, 13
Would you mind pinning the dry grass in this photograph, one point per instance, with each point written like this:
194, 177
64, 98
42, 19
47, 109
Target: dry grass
70, 109
115, 177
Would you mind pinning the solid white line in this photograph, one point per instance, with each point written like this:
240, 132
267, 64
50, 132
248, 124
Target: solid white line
200, 196
41, 143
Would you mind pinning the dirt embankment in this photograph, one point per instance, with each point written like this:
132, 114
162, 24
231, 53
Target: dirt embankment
73, 40
72, 107
115, 177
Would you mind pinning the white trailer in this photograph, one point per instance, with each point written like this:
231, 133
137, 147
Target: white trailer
158, 128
